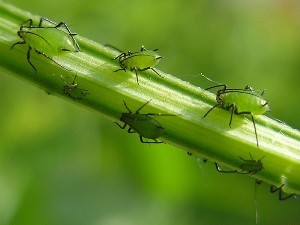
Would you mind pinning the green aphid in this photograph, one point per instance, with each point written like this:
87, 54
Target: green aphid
249, 166
281, 195
143, 124
72, 90
240, 101
47, 40
139, 61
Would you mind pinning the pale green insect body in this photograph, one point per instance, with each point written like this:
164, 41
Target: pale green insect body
244, 101
139, 61
48, 41
240, 101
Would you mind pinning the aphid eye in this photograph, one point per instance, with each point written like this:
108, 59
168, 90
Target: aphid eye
240, 102
49, 41
138, 61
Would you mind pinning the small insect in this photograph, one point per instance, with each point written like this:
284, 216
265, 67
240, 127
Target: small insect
250, 166
240, 101
48, 41
143, 124
138, 61
72, 90
281, 196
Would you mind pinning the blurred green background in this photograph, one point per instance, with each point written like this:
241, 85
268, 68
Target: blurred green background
63, 164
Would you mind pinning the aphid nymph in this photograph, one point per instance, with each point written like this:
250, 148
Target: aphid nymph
48, 41
240, 101
72, 90
139, 61
143, 124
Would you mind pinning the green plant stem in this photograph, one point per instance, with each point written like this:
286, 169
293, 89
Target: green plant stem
209, 137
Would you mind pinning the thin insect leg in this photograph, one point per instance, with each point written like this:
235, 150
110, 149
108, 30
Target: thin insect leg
18, 43
28, 58
30, 23
74, 79
122, 127
210, 110
45, 19
150, 142
120, 69
253, 121
127, 107
38, 52
155, 71
130, 130
63, 24
137, 77
222, 171
273, 189
233, 108
137, 111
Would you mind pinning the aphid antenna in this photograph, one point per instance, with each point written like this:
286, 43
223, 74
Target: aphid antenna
137, 111
218, 84
127, 107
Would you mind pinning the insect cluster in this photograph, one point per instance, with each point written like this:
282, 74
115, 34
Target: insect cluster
57, 39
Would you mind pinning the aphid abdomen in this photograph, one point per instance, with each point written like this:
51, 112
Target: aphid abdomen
245, 102
143, 125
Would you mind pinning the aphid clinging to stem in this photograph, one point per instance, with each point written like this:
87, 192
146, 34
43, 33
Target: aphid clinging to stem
240, 101
48, 41
143, 124
138, 61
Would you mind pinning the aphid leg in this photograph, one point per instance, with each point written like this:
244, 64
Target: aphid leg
253, 121
233, 109
30, 23
155, 71
126, 107
62, 24
18, 43
273, 189
137, 111
45, 19
122, 127
28, 57
150, 142
130, 130
137, 77
222, 171
38, 52
210, 110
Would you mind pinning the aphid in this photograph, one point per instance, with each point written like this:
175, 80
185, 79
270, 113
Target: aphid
72, 90
143, 124
47, 40
249, 166
240, 101
281, 196
138, 61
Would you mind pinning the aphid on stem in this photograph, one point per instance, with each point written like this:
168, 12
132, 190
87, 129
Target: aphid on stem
48, 41
72, 90
143, 124
239, 101
138, 61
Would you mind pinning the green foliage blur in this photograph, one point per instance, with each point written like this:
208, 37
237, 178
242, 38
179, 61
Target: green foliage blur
63, 164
